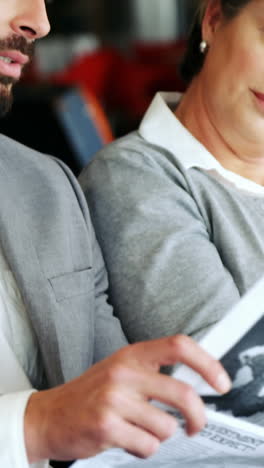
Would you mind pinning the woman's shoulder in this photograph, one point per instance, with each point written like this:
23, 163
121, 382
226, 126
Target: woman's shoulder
132, 154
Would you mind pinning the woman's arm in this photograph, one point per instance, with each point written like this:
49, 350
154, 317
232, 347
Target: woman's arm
166, 276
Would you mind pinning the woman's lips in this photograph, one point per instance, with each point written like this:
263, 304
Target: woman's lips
259, 100
258, 95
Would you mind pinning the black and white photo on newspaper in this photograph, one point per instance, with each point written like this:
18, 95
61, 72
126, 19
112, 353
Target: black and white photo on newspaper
234, 435
245, 365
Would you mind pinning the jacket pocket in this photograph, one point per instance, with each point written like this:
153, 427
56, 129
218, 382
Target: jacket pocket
72, 284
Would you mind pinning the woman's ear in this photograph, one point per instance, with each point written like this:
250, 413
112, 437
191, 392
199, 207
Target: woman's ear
212, 19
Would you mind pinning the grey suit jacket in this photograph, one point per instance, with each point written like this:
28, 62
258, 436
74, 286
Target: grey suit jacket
50, 245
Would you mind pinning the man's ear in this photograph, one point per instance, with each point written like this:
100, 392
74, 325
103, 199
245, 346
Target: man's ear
212, 19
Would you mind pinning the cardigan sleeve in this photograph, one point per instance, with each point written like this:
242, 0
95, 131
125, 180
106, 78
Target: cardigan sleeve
109, 336
166, 275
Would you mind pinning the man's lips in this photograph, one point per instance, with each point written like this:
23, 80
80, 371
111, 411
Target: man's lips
15, 56
12, 66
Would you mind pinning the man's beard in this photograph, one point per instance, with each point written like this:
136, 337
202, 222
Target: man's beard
6, 95
20, 44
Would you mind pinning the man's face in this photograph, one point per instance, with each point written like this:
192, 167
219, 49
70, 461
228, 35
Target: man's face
21, 23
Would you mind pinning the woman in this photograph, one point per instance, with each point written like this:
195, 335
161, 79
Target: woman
179, 204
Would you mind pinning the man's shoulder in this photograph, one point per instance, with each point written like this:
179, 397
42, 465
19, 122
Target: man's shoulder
25, 166
15, 152
15, 156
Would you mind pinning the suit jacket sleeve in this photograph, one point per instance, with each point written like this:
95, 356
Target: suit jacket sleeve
109, 336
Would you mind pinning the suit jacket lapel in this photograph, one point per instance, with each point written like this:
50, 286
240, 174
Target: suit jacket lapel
18, 248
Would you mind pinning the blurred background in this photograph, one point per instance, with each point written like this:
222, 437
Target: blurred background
94, 76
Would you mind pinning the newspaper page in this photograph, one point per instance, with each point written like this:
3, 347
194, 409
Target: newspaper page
238, 341
234, 435
218, 445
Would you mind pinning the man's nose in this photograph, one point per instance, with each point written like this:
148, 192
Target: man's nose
31, 21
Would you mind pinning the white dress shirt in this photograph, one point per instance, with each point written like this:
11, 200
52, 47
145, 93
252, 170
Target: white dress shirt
159, 127
21, 368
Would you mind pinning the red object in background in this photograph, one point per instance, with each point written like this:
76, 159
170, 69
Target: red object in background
92, 71
152, 67
125, 83
169, 53
138, 83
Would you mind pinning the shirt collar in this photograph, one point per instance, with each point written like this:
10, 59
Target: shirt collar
161, 127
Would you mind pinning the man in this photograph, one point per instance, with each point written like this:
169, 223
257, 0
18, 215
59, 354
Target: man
55, 320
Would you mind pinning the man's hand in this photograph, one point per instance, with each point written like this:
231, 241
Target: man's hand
108, 406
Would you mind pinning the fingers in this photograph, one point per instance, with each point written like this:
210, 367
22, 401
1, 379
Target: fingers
135, 440
173, 393
128, 397
140, 427
151, 419
137, 368
180, 348
183, 397
131, 423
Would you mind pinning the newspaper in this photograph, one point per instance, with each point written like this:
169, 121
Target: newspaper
234, 435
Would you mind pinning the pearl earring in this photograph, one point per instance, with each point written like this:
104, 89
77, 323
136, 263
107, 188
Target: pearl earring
203, 47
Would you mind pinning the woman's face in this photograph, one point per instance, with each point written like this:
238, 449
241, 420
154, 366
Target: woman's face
232, 78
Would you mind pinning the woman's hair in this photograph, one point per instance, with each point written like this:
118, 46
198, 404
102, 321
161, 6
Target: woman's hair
193, 59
